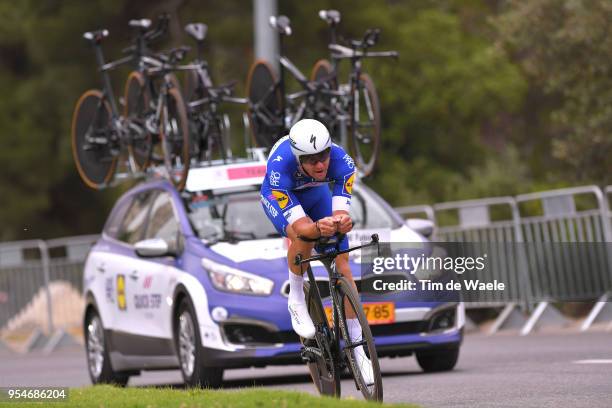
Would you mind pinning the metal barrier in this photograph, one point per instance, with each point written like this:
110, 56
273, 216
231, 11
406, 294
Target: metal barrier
408, 211
42, 284
24, 277
492, 223
566, 248
566, 251
602, 310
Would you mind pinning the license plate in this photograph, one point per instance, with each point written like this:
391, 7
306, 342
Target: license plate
376, 313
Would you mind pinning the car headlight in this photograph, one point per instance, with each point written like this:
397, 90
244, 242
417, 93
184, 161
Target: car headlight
233, 280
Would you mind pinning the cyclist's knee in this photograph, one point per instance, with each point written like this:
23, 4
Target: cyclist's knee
342, 263
297, 244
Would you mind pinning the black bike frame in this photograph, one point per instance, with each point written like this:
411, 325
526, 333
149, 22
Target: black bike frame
104, 68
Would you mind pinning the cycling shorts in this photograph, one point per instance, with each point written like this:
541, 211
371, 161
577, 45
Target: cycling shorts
316, 203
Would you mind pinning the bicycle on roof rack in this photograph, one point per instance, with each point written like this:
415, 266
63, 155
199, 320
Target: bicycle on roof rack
352, 107
151, 83
332, 349
271, 111
209, 128
100, 135
354, 104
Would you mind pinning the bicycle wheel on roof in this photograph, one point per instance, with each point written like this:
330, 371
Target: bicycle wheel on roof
365, 124
265, 101
94, 148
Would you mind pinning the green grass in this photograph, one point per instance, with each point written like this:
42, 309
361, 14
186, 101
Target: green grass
107, 396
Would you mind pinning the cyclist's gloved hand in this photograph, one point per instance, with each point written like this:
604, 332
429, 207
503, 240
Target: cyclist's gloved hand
327, 226
344, 223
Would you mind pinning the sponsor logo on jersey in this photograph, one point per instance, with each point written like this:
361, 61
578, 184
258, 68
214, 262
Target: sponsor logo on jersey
349, 161
348, 183
274, 178
269, 206
278, 158
121, 292
282, 197
147, 282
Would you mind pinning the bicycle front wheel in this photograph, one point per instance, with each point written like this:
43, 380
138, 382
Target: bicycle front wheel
94, 151
324, 371
365, 124
137, 100
174, 135
361, 353
265, 116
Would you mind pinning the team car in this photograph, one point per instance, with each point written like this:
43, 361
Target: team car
197, 280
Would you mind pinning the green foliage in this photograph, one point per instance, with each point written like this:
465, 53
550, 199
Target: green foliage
565, 48
460, 118
153, 397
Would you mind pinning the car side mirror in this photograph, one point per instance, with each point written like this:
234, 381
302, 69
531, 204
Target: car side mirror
151, 248
422, 226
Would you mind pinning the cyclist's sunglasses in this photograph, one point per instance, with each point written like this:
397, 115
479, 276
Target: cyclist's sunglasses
313, 159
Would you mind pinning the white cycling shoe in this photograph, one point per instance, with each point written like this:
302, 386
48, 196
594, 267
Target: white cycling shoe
300, 320
365, 366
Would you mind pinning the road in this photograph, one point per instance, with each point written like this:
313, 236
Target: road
540, 370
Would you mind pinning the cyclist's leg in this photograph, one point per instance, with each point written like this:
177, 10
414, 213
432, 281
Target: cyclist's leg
320, 209
296, 303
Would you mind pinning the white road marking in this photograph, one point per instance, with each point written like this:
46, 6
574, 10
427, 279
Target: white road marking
598, 361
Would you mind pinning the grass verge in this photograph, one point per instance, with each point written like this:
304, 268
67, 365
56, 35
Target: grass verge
113, 397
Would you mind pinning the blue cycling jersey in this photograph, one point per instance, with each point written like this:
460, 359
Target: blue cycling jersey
284, 182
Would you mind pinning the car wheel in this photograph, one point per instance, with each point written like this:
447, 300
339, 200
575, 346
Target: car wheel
96, 348
189, 350
439, 360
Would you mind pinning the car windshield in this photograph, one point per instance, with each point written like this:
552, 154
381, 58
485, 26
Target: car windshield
238, 215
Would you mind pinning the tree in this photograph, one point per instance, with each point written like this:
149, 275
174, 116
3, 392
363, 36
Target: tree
565, 48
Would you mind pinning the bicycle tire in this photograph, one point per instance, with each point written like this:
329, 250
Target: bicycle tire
373, 392
137, 100
322, 108
365, 146
326, 385
323, 69
96, 165
174, 138
260, 80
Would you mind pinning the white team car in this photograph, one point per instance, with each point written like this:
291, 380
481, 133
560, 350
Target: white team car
198, 281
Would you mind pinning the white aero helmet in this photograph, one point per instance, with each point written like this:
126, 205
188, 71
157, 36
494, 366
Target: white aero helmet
308, 136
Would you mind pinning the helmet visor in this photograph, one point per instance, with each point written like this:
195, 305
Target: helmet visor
313, 159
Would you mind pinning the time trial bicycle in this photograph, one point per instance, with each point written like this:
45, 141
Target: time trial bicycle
332, 350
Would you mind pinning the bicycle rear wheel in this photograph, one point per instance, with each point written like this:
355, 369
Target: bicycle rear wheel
324, 372
137, 100
265, 116
94, 151
374, 391
365, 124
322, 72
174, 138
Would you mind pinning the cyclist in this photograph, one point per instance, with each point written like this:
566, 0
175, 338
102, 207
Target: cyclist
296, 197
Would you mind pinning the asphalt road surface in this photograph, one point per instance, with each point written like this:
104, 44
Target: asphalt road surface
540, 370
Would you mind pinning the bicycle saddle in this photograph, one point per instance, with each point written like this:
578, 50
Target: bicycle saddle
95, 36
143, 23
330, 16
282, 24
197, 31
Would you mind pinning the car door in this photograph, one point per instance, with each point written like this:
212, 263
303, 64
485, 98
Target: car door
124, 269
153, 299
